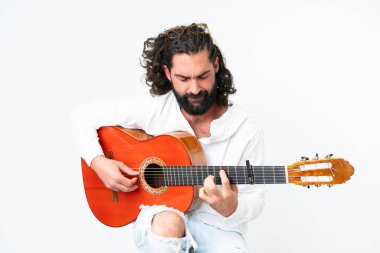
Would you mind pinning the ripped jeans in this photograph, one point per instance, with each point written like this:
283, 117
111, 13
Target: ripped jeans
200, 237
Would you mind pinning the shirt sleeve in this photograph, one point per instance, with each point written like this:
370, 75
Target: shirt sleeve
86, 119
251, 197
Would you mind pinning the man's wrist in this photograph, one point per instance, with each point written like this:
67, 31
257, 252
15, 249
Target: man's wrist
95, 159
238, 213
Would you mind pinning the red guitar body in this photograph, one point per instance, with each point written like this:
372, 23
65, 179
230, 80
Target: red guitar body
140, 152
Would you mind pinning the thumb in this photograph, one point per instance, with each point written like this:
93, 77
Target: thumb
128, 170
203, 195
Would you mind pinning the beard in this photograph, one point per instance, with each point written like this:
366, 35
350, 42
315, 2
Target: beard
203, 101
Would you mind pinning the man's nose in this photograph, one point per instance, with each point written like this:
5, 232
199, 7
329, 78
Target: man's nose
194, 86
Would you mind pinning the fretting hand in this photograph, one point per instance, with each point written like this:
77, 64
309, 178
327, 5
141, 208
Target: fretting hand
110, 172
224, 200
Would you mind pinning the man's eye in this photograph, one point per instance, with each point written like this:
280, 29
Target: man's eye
202, 77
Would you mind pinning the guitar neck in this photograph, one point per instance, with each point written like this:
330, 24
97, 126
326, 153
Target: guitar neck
195, 175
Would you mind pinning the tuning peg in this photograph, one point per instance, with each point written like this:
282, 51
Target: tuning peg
307, 186
328, 156
317, 185
304, 158
316, 157
329, 185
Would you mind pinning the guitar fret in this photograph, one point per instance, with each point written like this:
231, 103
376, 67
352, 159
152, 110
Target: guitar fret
268, 175
262, 174
196, 175
180, 175
280, 170
202, 177
201, 171
201, 180
165, 177
258, 175
175, 176
186, 175
172, 176
236, 175
181, 181
214, 174
192, 177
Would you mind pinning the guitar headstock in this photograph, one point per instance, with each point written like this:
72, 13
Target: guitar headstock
317, 172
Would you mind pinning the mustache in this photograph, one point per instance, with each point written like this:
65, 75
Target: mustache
202, 93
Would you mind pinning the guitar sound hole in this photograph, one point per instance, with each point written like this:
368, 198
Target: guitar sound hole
154, 176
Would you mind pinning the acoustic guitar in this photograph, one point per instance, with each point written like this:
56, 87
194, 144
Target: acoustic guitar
171, 165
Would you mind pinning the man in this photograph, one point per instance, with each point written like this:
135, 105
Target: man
191, 85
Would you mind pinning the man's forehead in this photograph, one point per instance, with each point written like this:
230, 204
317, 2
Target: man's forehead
191, 64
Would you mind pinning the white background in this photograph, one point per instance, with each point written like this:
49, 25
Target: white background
309, 70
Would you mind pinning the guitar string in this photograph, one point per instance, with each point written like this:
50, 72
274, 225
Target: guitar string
207, 174
232, 177
241, 172
228, 169
257, 180
179, 173
182, 172
217, 176
246, 181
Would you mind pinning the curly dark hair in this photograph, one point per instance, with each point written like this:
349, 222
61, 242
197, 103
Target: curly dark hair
159, 51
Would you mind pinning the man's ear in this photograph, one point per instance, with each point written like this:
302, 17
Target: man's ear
167, 72
216, 64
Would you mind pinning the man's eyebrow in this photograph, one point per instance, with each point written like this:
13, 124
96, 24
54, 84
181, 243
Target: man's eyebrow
181, 76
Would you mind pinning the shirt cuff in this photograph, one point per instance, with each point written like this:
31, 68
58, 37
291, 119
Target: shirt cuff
91, 152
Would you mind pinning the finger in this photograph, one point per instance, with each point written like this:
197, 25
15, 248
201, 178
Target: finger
209, 183
203, 195
127, 182
225, 180
128, 170
128, 188
234, 188
123, 188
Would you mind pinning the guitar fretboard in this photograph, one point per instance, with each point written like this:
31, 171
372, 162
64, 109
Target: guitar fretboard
195, 175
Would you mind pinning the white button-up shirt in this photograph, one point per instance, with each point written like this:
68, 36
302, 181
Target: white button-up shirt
235, 138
